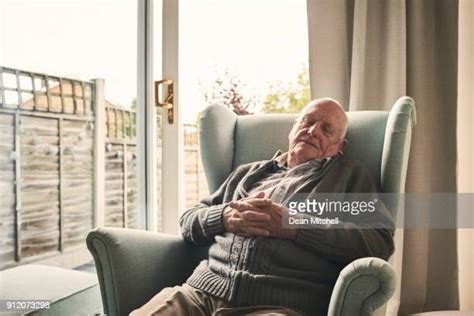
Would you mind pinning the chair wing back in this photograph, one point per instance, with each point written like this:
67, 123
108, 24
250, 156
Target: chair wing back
381, 140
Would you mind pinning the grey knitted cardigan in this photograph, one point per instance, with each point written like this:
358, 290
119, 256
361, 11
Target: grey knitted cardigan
298, 274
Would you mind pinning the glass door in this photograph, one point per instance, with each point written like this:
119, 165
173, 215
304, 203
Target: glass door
250, 56
82, 142
159, 132
76, 91
214, 61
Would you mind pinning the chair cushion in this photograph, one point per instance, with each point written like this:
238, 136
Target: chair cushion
258, 137
69, 292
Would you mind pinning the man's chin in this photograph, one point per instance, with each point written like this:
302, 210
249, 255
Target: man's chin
305, 156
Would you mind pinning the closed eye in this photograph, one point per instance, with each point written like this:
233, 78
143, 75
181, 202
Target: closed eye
306, 122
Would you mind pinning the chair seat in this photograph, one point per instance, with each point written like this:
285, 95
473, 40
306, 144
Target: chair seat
69, 292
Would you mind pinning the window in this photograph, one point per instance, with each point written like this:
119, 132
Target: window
249, 55
52, 52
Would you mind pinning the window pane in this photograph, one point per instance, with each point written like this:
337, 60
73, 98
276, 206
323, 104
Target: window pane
51, 54
252, 58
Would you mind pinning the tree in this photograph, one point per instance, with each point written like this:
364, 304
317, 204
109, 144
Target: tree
290, 97
227, 89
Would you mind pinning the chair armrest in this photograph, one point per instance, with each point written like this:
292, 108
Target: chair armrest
133, 265
363, 286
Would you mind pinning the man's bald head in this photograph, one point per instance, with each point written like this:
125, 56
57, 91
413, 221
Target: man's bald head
318, 131
330, 105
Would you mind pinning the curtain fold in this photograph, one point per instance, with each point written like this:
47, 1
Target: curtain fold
368, 53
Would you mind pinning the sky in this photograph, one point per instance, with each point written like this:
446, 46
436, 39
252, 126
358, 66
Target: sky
260, 41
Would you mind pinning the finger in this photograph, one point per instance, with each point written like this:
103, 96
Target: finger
255, 231
249, 235
240, 222
242, 206
259, 195
275, 211
259, 202
255, 216
244, 235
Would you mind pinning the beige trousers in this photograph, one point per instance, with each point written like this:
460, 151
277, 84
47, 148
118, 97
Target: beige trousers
186, 300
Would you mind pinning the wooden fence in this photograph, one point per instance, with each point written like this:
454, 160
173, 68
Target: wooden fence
121, 190
47, 153
120, 167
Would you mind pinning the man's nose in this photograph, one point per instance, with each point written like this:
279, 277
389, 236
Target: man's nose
315, 129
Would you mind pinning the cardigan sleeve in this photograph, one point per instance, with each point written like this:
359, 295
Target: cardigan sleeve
202, 222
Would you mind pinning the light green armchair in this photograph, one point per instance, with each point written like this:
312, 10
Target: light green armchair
134, 265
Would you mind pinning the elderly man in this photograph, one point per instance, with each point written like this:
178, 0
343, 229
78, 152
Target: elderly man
255, 265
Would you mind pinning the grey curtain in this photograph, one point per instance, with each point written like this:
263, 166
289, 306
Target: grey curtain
368, 53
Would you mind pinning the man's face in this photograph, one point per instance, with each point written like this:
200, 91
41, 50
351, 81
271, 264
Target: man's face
318, 132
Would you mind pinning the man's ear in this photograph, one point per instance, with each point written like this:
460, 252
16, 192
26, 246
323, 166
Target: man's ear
343, 145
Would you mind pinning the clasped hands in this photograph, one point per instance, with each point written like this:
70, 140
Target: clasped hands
257, 216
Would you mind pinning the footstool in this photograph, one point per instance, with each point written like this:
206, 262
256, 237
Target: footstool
69, 292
